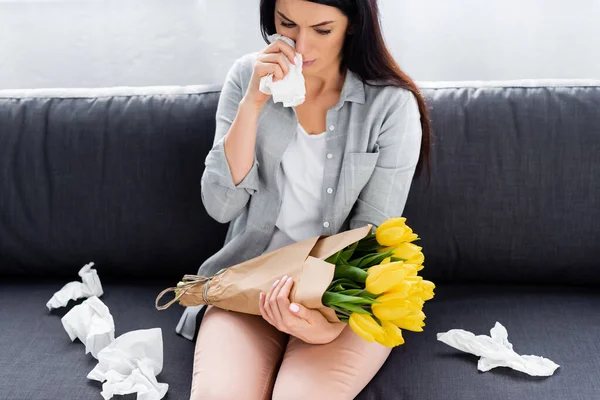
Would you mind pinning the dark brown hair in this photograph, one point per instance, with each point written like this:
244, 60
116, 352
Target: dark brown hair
365, 54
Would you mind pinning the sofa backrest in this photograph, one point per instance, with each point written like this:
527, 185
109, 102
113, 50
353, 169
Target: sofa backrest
110, 176
515, 185
113, 176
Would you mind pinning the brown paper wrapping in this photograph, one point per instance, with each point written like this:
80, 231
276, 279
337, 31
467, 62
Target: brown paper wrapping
237, 288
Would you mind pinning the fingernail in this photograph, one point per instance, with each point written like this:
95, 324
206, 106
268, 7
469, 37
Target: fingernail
276, 282
294, 307
284, 278
260, 296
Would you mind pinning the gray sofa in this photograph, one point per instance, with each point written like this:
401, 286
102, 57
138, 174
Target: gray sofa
509, 222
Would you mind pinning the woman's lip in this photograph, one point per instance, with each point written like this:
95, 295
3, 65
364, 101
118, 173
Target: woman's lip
307, 63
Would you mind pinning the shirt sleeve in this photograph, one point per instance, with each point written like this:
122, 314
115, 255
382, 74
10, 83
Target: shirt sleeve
399, 143
223, 199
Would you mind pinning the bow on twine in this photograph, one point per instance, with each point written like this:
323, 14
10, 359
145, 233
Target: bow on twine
188, 282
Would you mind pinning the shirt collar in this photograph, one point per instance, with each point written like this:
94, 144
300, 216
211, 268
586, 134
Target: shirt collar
353, 90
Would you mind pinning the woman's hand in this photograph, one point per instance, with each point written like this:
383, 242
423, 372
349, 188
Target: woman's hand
306, 324
272, 60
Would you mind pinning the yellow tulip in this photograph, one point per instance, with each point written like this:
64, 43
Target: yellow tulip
407, 251
415, 281
406, 264
417, 259
412, 269
394, 231
385, 340
421, 288
401, 287
365, 326
384, 276
416, 301
393, 306
424, 290
412, 322
393, 335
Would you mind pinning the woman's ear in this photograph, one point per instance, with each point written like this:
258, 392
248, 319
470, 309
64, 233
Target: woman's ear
350, 30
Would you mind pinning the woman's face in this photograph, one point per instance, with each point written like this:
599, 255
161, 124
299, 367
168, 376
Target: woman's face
319, 32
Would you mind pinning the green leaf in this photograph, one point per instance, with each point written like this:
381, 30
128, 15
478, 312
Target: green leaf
368, 295
371, 259
374, 260
353, 273
354, 262
339, 312
333, 259
342, 261
333, 298
351, 292
353, 308
368, 244
347, 253
346, 284
394, 259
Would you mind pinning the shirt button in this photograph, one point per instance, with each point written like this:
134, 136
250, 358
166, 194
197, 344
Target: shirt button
329, 156
329, 190
326, 224
331, 127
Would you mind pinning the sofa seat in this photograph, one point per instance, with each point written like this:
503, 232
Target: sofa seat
561, 323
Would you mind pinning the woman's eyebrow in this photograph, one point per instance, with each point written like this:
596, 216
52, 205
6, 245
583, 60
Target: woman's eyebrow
312, 26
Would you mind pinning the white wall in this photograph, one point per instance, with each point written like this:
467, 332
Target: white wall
95, 43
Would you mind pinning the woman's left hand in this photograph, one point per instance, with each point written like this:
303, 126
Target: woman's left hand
306, 324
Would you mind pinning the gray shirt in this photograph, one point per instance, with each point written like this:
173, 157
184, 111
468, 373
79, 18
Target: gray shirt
373, 143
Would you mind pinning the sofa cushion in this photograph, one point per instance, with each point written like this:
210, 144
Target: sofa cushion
561, 323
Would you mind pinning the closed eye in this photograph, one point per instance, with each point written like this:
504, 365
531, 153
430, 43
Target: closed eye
319, 31
288, 23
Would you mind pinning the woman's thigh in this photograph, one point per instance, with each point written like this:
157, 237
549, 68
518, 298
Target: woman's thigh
236, 356
337, 370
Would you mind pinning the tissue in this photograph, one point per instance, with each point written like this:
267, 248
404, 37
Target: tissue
290, 90
91, 323
90, 286
130, 365
496, 351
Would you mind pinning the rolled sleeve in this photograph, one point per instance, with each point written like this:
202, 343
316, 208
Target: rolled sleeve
217, 171
223, 199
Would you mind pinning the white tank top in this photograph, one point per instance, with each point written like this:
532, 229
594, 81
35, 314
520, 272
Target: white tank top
301, 213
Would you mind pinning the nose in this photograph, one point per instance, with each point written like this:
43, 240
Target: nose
302, 43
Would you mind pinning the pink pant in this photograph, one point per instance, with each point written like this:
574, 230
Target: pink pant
241, 356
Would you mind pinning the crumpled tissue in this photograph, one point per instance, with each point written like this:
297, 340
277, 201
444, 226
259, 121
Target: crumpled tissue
291, 90
496, 351
130, 365
92, 323
90, 286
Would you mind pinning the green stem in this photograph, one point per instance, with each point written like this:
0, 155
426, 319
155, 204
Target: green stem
341, 311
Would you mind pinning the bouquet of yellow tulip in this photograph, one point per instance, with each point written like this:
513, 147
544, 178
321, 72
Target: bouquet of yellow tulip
367, 280
376, 288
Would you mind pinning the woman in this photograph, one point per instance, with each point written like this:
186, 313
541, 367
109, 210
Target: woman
342, 159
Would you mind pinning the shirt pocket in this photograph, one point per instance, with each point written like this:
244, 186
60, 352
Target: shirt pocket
357, 169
